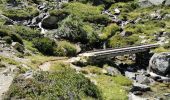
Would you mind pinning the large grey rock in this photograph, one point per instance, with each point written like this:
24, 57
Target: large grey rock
143, 79
148, 3
18, 46
160, 64
140, 87
130, 75
145, 3
50, 22
167, 2
112, 71
156, 2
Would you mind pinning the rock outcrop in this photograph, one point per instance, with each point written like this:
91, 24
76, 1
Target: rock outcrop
160, 64
148, 3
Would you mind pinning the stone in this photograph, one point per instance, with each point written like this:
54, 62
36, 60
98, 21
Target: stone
18, 46
145, 3
137, 93
126, 33
117, 11
28, 74
156, 2
156, 15
50, 22
160, 64
112, 71
167, 2
140, 87
143, 79
148, 3
130, 75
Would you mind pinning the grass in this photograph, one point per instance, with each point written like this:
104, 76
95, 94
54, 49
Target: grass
65, 48
9, 61
113, 87
37, 60
160, 49
82, 10
91, 69
58, 66
19, 14
29, 46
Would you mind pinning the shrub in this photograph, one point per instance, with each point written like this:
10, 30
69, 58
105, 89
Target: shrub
16, 38
71, 29
87, 12
109, 31
98, 19
44, 45
7, 39
61, 85
65, 48
20, 14
26, 32
92, 35
59, 13
119, 41
6, 31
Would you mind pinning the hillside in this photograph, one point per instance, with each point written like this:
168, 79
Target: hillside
41, 42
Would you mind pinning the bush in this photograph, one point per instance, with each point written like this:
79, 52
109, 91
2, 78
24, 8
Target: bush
92, 35
119, 41
7, 39
98, 19
26, 32
61, 14
45, 45
65, 48
6, 31
109, 31
61, 85
87, 12
20, 14
71, 29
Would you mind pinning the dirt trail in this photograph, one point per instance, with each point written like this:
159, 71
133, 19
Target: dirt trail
45, 66
6, 78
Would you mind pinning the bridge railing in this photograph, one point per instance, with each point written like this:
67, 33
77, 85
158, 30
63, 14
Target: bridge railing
128, 46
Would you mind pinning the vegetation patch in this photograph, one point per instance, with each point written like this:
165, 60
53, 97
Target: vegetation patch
19, 13
113, 87
61, 85
65, 48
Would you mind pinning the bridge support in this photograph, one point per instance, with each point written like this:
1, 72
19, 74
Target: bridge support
142, 59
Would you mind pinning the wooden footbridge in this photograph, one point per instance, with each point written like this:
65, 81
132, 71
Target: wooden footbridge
110, 53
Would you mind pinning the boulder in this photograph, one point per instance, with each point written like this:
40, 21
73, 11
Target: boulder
148, 3
143, 79
156, 2
50, 22
160, 64
130, 75
112, 71
140, 87
145, 3
18, 46
167, 2
126, 33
